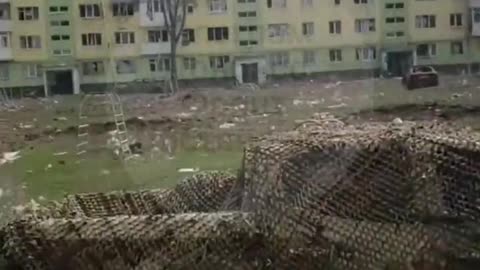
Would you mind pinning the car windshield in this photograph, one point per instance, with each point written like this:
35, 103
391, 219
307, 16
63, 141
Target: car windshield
239, 134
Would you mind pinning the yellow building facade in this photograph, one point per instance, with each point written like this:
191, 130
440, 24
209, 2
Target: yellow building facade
83, 44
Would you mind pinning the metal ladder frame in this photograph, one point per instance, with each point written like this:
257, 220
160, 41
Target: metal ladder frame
121, 132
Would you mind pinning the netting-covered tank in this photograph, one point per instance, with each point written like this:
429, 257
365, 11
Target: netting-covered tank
325, 196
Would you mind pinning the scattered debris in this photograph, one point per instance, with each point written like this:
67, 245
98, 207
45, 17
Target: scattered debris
104, 172
25, 126
193, 108
49, 166
9, 157
188, 170
333, 85
227, 125
397, 121
41, 198
61, 118
60, 154
341, 105
1, 192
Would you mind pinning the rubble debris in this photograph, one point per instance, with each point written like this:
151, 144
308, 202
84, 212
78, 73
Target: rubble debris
397, 121
105, 172
48, 167
341, 105
60, 118
9, 157
60, 154
188, 170
227, 125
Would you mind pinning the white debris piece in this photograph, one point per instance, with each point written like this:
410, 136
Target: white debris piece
227, 125
193, 108
333, 85
9, 157
104, 172
184, 115
337, 106
62, 118
297, 102
1, 192
397, 121
41, 198
25, 126
60, 154
49, 166
241, 106
188, 170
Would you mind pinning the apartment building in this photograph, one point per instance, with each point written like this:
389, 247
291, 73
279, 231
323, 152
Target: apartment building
69, 45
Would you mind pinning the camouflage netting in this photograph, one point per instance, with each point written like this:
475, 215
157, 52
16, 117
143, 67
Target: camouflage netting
325, 196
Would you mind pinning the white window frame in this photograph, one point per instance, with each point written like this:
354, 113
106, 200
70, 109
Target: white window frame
461, 48
219, 62
308, 29
189, 63
90, 11
281, 59
92, 39
4, 72
29, 13
337, 27
309, 57
366, 25
278, 30
4, 40
124, 38
159, 64
30, 42
337, 55
368, 54
431, 50
32, 71
217, 6
157, 36
426, 21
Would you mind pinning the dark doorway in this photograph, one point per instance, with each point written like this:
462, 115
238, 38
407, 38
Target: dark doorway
398, 63
250, 73
62, 82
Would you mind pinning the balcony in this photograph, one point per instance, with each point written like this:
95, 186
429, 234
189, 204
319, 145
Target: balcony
6, 25
6, 54
155, 48
152, 18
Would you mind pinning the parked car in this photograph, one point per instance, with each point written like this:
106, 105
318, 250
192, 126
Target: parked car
419, 77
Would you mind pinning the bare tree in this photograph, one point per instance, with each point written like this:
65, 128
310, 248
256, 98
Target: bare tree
174, 15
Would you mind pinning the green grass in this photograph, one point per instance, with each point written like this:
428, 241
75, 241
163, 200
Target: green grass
101, 172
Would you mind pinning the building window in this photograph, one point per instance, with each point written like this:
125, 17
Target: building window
360, 1
476, 15
122, 38
219, 62
365, 25
335, 27
28, 13
279, 59
217, 33
189, 63
247, 28
30, 42
188, 36
307, 29
93, 68
59, 23
336, 2
245, 14
394, 20
426, 50
244, 43
279, 30
32, 71
125, 67
425, 21
309, 57
335, 55
89, 11
157, 65
457, 47
366, 54
4, 72
456, 20
4, 40
190, 8
60, 37
123, 9
4, 13
92, 39
217, 6
155, 36
59, 52
276, 3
